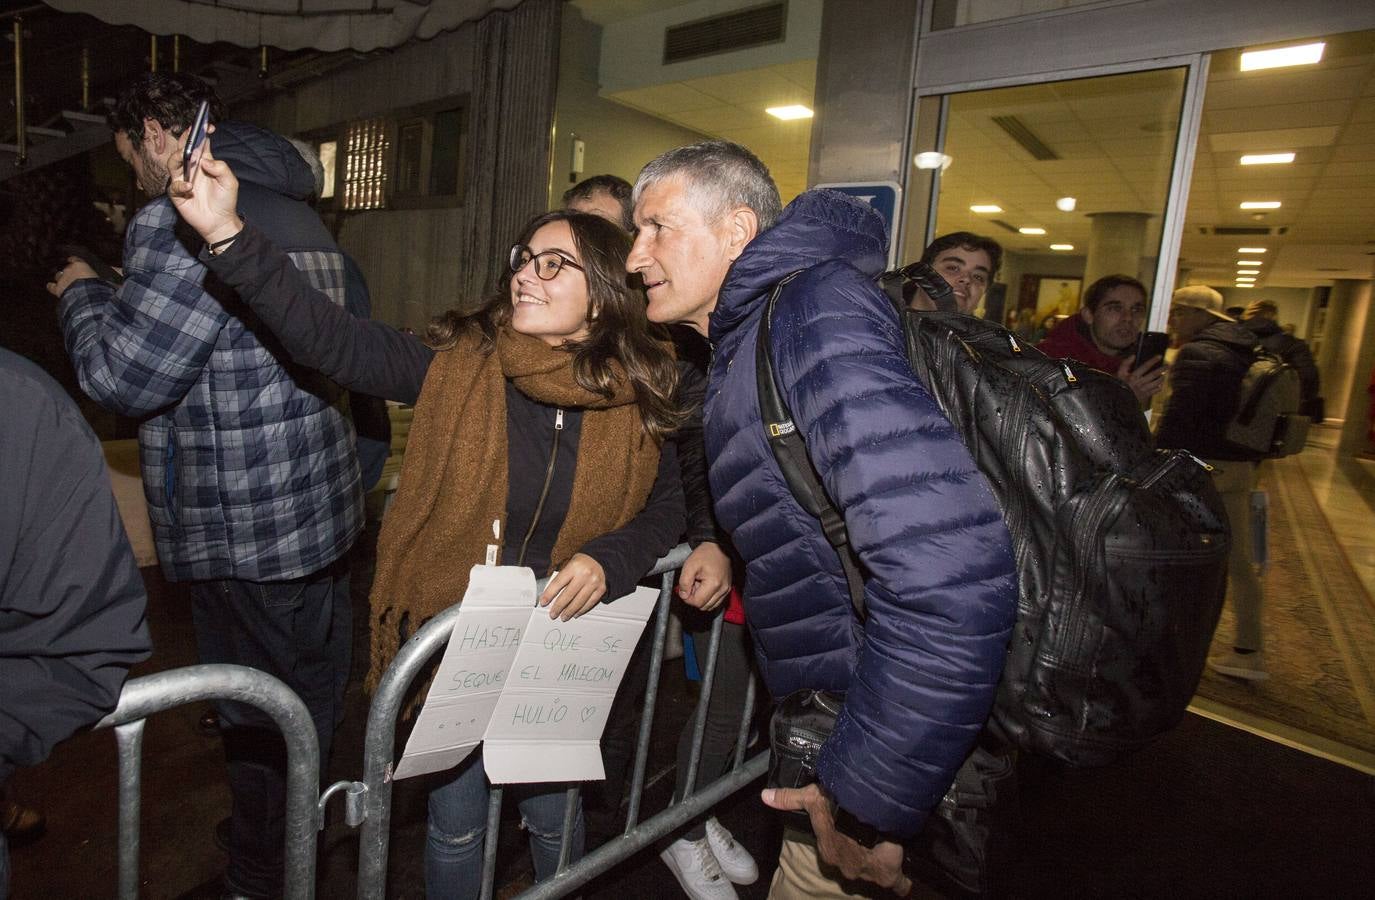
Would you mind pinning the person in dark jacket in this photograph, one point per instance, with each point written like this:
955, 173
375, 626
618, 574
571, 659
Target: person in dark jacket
1261, 318
538, 439
248, 464
706, 860
921, 673
1205, 386
1104, 334
72, 602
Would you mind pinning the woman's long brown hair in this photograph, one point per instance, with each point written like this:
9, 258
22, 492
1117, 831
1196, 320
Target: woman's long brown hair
619, 337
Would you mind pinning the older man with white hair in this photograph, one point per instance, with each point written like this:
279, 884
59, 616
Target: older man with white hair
919, 674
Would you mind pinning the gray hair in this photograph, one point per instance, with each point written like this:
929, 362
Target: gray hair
722, 176
317, 169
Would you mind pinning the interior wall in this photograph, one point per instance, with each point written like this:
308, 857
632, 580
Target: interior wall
406, 255
1293, 303
618, 140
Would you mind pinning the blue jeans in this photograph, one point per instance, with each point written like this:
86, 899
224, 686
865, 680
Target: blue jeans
458, 825
299, 631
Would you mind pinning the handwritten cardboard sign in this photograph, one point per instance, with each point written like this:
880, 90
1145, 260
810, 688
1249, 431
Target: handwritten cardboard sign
547, 724
537, 690
487, 633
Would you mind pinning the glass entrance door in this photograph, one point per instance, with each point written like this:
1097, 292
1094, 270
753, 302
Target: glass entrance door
1072, 177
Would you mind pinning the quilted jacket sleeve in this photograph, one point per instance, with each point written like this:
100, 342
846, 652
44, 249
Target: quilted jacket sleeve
140, 348
940, 585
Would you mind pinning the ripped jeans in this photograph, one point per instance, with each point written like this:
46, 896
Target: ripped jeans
458, 825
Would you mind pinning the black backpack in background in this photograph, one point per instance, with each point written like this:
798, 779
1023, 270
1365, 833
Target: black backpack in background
1267, 423
1120, 549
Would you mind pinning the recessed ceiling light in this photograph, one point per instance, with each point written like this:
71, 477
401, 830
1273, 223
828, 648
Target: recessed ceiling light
1278, 57
1032, 230
1248, 271
1244, 285
1244, 278
1261, 204
1066, 204
1250, 249
930, 159
986, 208
788, 113
1249, 262
1266, 159
1062, 246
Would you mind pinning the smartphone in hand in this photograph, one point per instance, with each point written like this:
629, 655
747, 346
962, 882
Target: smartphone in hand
195, 141
1150, 344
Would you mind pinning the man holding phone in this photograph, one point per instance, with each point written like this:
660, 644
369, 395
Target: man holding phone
248, 465
1107, 335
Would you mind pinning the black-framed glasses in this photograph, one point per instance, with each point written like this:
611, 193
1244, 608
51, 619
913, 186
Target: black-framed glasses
548, 264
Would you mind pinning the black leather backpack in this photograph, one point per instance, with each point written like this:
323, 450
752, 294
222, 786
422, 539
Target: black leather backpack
1121, 549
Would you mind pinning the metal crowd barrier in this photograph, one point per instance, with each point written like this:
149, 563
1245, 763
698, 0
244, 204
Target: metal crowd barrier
368, 802
372, 806
150, 694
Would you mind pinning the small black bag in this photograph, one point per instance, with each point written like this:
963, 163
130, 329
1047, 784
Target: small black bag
801, 723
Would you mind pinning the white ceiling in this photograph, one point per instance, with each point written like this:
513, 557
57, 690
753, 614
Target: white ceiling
1116, 136
732, 107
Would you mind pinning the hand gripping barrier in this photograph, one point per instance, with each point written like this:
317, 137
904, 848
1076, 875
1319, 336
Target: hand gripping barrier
150, 694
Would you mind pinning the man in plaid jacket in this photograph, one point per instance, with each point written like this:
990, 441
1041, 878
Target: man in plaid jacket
248, 464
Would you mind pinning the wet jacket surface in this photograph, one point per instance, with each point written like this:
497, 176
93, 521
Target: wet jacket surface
71, 598
940, 588
248, 466
1205, 384
374, 358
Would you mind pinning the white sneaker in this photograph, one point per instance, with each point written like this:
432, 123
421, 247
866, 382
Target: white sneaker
697, 871
735, 861
1246, 666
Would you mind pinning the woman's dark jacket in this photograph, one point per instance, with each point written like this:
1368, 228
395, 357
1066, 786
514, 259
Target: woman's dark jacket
374, 358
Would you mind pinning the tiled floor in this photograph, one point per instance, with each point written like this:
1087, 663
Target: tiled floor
1345, 488
1340, 608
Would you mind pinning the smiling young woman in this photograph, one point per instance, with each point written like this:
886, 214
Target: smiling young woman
543, 415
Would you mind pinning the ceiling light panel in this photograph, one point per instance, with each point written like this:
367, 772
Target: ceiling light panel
1279, 57
1266, 159
985, 208
789, 113
1249, 262
1260, 204
1250, 249
1031, 230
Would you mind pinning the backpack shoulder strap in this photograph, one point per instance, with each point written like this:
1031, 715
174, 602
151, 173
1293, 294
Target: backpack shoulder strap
791, 453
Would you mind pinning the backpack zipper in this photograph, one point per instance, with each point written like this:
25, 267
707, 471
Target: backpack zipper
544, 491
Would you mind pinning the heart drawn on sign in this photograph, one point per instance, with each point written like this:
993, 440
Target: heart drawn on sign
588, 712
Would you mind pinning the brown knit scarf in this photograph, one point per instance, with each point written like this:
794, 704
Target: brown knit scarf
453, 480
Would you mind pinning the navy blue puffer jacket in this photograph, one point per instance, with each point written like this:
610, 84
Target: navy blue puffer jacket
940, 587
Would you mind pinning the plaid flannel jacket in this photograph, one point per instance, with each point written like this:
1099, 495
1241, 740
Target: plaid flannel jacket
248, 466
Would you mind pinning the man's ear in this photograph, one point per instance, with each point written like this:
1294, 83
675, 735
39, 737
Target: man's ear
1086, 314
742, 226
154, 132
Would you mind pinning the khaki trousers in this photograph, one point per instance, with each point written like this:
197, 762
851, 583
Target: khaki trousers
801, 875
1235, 481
